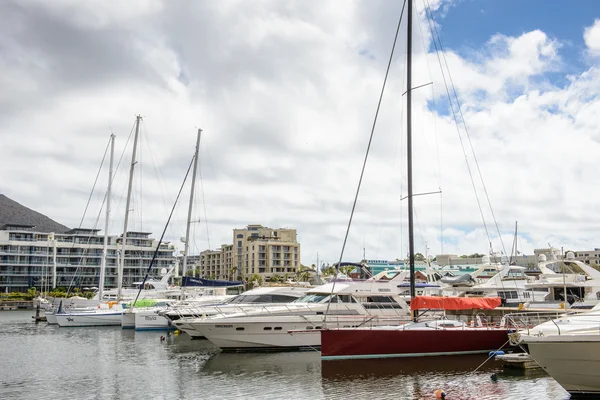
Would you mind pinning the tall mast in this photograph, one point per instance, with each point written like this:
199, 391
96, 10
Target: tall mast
124, 238
108, 193
189, 217
411, 240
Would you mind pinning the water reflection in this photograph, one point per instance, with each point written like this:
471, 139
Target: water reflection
386, 367
48, 362
285, 363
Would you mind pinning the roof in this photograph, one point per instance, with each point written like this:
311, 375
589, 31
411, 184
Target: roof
15, 214
75, 230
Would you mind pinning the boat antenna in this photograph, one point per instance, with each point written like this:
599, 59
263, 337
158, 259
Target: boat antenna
189, 216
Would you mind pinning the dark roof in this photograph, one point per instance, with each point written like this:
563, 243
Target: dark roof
85, 230
13, 213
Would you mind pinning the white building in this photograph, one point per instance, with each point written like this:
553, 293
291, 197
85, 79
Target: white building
30, 258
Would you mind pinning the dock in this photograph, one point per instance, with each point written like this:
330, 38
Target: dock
16, 305
518, 361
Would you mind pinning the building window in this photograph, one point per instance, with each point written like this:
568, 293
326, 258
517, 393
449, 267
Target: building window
240, 236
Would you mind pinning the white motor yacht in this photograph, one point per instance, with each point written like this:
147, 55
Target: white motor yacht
376, 301
567, 348
251, 299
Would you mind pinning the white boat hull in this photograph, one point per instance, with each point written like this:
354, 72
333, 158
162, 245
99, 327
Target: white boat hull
187, 328
150, 320
51, 318
128, 320
279, 333
573, 361
108, 318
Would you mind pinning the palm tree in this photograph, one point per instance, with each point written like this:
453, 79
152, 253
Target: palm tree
304, 273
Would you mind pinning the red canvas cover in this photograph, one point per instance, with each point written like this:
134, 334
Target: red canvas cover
454, 303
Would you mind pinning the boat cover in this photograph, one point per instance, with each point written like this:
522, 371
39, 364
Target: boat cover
454, 303
463, 280
191, 281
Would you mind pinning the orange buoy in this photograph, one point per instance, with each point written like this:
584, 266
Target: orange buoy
440, 394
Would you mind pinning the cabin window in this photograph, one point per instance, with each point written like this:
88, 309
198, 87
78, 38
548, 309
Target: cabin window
267, 328
241, 328
277, 328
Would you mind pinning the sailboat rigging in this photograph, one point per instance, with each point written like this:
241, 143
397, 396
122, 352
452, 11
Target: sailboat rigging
121, 266
434, 337
108, 196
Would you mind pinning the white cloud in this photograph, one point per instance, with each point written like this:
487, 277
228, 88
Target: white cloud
591, 35
286, 93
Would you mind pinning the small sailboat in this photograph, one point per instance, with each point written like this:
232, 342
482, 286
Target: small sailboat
105, 314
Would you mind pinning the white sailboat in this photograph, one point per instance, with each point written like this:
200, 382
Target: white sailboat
148, 314
105, 314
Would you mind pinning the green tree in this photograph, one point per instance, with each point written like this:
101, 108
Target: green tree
304, 273
347, 270
255, 280
275, 278
328, 270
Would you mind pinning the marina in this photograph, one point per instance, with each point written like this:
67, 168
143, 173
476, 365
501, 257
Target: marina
312, 117
44, 361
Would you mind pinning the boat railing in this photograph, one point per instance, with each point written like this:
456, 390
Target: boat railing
524, 321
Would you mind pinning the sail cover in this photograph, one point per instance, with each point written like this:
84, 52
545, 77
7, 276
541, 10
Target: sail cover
454, 303
191, 281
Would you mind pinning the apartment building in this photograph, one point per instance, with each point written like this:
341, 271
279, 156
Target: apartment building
255, 250
32, 258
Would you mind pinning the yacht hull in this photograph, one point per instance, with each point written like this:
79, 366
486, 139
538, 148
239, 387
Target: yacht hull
389, 343
51, 318
150, 320
89, 319
573, 361
278, 334
128, 320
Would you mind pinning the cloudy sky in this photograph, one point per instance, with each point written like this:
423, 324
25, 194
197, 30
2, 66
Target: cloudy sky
286, 93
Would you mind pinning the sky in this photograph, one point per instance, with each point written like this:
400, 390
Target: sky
286, 94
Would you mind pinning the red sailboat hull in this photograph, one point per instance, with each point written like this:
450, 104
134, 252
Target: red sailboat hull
382, 343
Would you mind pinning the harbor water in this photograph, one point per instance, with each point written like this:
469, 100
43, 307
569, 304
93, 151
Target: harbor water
47, 362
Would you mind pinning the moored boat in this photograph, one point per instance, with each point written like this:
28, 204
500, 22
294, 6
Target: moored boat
567, 348
427, 338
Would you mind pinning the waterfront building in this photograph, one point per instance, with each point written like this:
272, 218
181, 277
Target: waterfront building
255, 250
36, 251
32, 258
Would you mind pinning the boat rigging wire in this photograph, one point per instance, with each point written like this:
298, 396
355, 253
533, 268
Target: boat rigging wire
81, 259
163, 234
366, 156
85, 212
435, 35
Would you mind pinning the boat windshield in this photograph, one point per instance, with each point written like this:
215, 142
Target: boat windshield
312, 298
262, 298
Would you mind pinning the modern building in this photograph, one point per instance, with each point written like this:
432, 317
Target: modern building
36, 251
255, 250
46, 260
